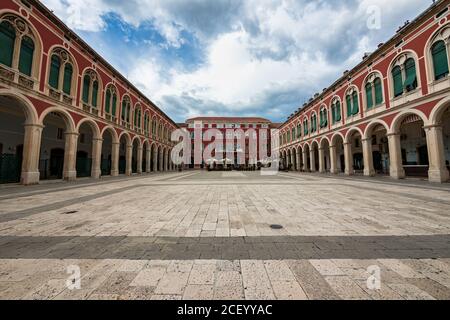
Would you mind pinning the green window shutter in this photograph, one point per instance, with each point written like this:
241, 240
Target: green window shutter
124, 110
378, 91
114, 105
288, 136
325, 118
26, 56
94, 93
349, 106
128, 113
67, 85
86, 85
139, 118
55, 65
108, 101
305, 127
7, 40
440, 60
333, 114
369, 96
398, 81
411, 76
355, 104
338, 111
299, 131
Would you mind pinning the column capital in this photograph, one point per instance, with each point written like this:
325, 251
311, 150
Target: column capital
433, 126
366, 140
393, 134
333, 146
39, 126
98, 139
347, 143
71, 133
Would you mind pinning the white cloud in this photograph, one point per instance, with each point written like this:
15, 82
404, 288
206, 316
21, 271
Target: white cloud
259, 55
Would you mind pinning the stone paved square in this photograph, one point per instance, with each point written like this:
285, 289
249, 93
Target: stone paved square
207, 235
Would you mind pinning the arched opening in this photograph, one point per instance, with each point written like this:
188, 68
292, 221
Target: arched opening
85, 150
55, 148
12, 118
300, 158
338, 143
356, 152
106, 160
145, 158
152, 158
307, 158
123, 145
314, 157
294, 159
380, 149
134, 157
325, 146
413, 142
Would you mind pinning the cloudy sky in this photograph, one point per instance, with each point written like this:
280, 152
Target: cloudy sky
234, 57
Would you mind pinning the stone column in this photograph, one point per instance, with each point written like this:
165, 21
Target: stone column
139, 159
395, 156
321, 160
305, 161
70, 156
312, 158
333, 160
435, 143
148, 154
115, 159
129, 159
31, 154
369, 170
348, 154
96, 170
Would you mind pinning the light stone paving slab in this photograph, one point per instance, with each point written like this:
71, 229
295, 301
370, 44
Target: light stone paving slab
207, 235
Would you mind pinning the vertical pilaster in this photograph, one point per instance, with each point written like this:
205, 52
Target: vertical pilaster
321, 160
333, 160
435, 143
96, 171
139, 159
129, 159
348, 155
369, 170
115, 159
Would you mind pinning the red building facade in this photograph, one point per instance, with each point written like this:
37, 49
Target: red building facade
388, 115
82, 117
236, 135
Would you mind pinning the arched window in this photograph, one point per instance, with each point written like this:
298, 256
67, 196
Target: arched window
374, 92
305, 127
369, 96
440, 60
126, 110
61, 72
7, 42
146, 123
352, 103
17, 48
288, 136
293, 134
404, 75
137, 117
90, 91
26, 56
411, 76
313, 123
299, 131
398, 81
336, 111
110, 102
323, 118
55, 66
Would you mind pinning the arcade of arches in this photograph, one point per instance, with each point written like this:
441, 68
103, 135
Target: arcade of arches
52, 147
412, 146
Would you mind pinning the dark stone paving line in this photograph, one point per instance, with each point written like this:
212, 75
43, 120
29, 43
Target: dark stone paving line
230, 248
18, 192
10, 216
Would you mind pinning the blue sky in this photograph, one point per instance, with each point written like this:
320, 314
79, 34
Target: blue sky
234, 57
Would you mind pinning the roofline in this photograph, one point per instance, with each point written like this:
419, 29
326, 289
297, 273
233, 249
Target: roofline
219, 118
384, 47
74, 36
